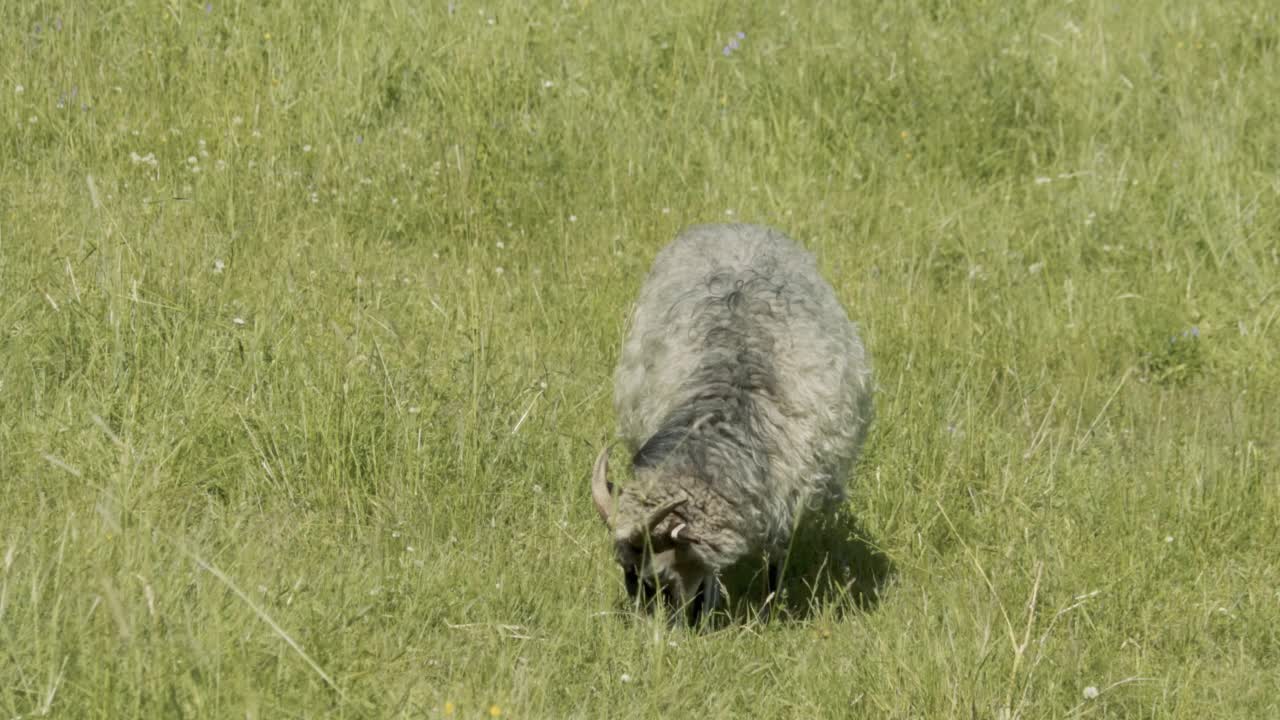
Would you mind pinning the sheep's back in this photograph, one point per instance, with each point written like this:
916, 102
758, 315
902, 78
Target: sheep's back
816, 410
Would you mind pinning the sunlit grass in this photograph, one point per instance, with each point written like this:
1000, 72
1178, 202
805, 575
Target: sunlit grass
308, 315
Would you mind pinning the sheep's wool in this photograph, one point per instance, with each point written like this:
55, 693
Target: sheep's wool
743, 386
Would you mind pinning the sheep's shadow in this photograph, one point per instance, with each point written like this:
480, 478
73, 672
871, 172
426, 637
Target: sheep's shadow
832, 566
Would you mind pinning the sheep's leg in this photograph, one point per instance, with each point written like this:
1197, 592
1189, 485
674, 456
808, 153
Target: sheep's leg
704, 600
771, 590
693, 612
711, 588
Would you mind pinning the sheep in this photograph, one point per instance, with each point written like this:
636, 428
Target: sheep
744, 394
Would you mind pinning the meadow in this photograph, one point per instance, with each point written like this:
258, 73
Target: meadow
308, 315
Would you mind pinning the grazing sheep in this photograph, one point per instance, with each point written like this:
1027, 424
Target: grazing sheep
744, 394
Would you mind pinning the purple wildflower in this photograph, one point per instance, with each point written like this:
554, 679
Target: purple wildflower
733, 44
742, 35
727, 51
208, 7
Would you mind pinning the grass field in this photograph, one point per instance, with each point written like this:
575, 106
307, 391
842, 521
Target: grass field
308, 318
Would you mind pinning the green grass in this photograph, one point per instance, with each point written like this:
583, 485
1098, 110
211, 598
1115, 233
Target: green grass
332, 368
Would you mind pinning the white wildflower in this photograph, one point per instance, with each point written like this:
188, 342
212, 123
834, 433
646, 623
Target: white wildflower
148, 159
1090, 693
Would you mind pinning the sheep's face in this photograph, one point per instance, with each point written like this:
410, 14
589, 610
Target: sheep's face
657, 565
655, 546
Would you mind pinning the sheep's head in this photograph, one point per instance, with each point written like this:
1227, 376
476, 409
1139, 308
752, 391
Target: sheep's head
655, 544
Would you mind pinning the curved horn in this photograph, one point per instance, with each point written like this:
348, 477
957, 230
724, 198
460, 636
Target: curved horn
682, 535
665, 509
601, 488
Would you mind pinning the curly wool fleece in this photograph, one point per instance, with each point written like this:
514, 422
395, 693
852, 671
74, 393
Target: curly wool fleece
742, 387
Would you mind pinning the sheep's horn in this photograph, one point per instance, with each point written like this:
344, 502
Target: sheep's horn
682, 535
601, 488
665, 509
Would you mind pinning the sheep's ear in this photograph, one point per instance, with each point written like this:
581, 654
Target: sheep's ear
682, 535
601, 488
